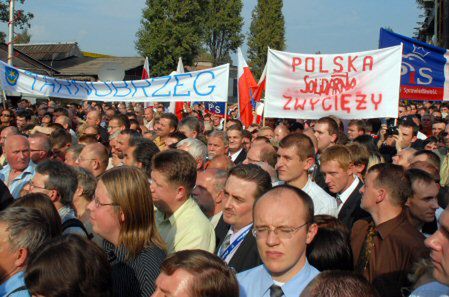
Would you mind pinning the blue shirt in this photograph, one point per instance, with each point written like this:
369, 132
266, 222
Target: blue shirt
16, 281
17, 184
432, 289
257, 281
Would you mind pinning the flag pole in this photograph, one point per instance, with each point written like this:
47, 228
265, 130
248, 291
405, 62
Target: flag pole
225, 115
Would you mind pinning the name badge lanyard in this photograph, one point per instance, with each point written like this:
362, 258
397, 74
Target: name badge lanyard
234, 244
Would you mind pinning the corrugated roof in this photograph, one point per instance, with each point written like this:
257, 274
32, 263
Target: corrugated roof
91, 66
50, 51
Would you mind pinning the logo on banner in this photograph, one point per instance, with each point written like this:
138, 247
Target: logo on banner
421, 75
11, 75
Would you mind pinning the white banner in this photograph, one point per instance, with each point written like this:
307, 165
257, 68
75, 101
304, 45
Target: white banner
204, 85
349, 86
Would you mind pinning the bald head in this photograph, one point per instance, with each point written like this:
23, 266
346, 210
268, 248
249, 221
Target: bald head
17, 150
280, 132
261, 152
94, 158
93, 118
10, 130
220, 162
39, 147
64, 121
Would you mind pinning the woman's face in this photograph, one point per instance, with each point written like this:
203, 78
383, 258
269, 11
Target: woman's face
431, 146
104, 216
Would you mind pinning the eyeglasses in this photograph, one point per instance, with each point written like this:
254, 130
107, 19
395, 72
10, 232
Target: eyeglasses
33, 186
6, 115
99, 204
281, 232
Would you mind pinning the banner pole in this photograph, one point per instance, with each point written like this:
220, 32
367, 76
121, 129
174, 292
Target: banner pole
225, 115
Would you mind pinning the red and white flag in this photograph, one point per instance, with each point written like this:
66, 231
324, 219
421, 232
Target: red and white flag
246, 86
146, 75
178, 106
258, 93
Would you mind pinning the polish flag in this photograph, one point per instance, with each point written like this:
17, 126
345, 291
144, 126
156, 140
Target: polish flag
146, 75
258, 95
178, 106
246, 85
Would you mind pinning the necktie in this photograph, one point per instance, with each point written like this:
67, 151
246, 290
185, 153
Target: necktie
339, 202
226, 243
276, 291
368, 247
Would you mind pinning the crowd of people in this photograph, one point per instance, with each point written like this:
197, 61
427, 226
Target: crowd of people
115, 199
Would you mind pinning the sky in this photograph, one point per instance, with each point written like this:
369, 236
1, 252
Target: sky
328, 26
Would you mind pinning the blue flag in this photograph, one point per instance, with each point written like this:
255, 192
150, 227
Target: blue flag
425, 67
217, 108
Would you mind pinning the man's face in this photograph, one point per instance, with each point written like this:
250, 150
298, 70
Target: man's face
353, 132
149, 114
37, 185
113, 127
254, 154
85, 160
128, 157
439, 249
369, 192
283, 256
37, 152
121, 145
176, 285
5, 116
446, 136
21, 122
403, 158
268, 133
437, 128
246, 143
189, 133
289, 165
205, 192
216, 147
8, 255
322, 136
162, 191
424, 202
337, 178
407, 136
18, 154
164, 128
93, 119
235, 140
280, 132
238, 200
402, 111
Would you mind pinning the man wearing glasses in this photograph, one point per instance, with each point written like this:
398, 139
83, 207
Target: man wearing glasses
6, 117
282, 235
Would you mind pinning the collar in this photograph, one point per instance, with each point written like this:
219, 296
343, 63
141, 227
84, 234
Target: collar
346, 193
307, 186
289, 288
188, 204
235, 235
29, 170
388, 227
12, 283
235, 155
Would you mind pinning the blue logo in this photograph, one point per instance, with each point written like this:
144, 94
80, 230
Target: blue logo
11, 75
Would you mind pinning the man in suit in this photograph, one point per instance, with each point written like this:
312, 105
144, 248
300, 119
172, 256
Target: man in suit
236, 151
235, 243
337, 167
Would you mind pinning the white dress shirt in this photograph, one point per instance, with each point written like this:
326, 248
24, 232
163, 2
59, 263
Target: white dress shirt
323, 202
344, 196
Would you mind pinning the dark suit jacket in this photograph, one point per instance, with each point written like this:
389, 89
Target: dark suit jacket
246, 256
240, 158
351, 210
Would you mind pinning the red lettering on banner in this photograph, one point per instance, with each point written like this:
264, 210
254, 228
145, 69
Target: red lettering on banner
376, 103
321, 66
296, 62
289, 99
344, 101
314, 102
350, 63
310, 67
361, 101
340, 66
368, 61
300, 106
324, 101
337, 84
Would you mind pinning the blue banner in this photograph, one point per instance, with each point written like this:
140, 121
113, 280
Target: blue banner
425, 67
217, 108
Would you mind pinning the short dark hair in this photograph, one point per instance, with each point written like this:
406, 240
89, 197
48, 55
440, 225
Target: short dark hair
236, 123
410, 124
302, 143
192, 123
122, 120
172, 118
339, 284
360, 124
212, 276
332, 125
24, 114
177, 166
133, 136
60, 138
415, 174
253, 173
69, 266
144, 152
393, 178
330, 250
61, 178
432, 157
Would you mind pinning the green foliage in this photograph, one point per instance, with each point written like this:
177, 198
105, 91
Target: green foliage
21, 19
267, 30
170, 29
222, 29
23, 37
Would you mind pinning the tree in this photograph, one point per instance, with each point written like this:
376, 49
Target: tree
21, 19
222, 29
266, 30
170, 29
23, 37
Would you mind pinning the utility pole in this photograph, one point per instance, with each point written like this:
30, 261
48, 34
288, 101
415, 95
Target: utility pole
11, 31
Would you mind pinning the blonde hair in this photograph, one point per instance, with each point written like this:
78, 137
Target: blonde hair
339, 153
129, 188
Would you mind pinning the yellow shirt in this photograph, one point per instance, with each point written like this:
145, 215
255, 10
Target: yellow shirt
187, 228
160, 143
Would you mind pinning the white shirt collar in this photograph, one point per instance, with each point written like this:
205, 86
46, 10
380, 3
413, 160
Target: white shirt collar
346, 193
235, 155
235, 235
